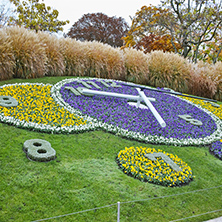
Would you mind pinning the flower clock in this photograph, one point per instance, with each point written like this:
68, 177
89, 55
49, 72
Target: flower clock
148, 116
131, 111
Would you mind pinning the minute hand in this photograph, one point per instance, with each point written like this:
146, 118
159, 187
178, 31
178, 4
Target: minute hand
152, 108
141, 97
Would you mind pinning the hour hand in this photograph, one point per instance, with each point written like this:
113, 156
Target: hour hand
139, 98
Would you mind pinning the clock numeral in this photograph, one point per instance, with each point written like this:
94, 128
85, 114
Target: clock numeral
113, 84
166, 159
76, 92
189, 119
214, 104
104, 83
8, 101
86, 84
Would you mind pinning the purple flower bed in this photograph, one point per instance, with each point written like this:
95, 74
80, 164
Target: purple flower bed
116, 111
216, 148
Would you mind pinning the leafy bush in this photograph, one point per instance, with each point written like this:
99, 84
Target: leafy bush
168, 70
29, 53
7, 60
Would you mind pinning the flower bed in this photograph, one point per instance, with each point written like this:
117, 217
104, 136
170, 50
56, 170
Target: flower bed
133, 162
117, 116
62, 112
37, 110
216, 149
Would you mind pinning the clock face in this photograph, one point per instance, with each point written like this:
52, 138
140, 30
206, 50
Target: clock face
186, 123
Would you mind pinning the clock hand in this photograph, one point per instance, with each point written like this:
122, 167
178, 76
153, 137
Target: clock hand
151, 107
86, 92
139, 98
174, 93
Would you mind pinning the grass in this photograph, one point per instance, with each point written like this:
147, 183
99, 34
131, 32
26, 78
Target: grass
85, 176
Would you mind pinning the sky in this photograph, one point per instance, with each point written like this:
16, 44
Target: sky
73, 10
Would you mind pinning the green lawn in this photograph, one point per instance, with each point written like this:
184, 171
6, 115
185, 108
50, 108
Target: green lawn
85, 176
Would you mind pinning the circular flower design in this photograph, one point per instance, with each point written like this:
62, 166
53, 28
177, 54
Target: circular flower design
136, 162
118, 116
36, 109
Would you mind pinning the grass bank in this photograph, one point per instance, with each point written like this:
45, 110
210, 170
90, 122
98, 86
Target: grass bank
85, 176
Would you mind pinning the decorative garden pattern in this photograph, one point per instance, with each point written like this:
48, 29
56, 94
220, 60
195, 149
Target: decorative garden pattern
62, 108
118, 116
37, 110
139, 162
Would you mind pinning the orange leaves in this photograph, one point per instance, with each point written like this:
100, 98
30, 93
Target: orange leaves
155, 42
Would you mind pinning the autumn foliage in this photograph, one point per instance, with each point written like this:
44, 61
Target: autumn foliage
154, 42
99, 27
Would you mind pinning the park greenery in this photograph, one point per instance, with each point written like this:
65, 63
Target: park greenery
27, 54
34, 15
99, 27
191, 28
85, 175
98, 166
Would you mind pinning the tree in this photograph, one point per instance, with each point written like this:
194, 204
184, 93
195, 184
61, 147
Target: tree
99, 27
191, 23
156, 42
212, 51
35, 15
5, 13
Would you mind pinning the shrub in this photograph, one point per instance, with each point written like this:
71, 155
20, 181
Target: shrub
168, 70
7, 60
216, 76
29, 53
103, 61
200, 83
136, 65
55, 60
92, 59
73, 54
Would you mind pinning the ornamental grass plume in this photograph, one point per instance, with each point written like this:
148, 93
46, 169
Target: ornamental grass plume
136, 65
103, 61
200, 83
168, 70
92, 59
29, 53
7, 60
216, 76
55, 60
74, 59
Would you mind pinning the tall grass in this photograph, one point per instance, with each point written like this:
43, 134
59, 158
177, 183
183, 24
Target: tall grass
169, 70
29, 53
137, 66
73, 54
55, 61
7, 60
26, 54
103, 60
216, 76
202, 83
